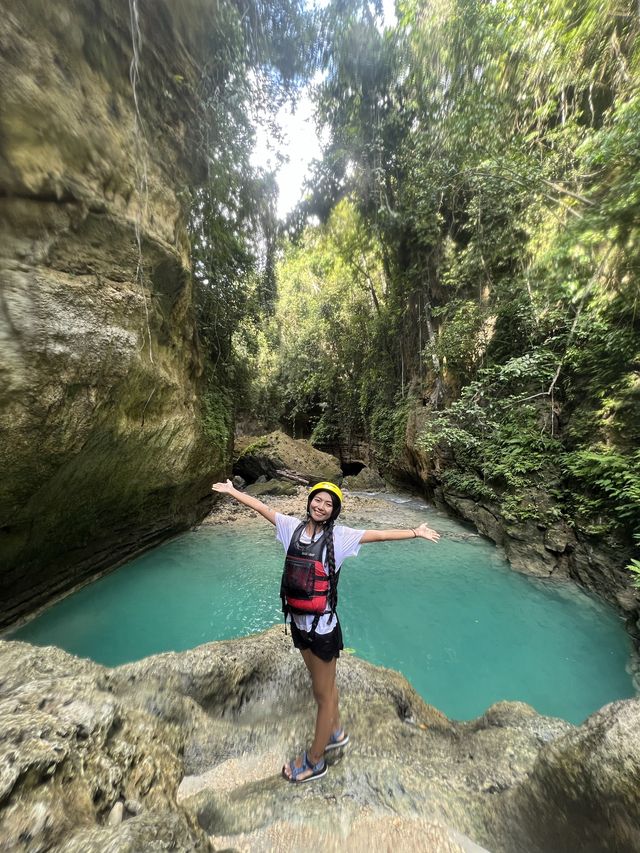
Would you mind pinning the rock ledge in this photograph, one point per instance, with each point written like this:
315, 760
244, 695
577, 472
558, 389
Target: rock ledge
185, 750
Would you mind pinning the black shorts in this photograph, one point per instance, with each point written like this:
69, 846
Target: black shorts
324, 646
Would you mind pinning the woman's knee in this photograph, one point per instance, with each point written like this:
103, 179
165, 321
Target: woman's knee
323, 695
324, 691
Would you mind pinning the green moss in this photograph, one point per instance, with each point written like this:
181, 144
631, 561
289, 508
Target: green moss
217, 418
258, 444
388, 428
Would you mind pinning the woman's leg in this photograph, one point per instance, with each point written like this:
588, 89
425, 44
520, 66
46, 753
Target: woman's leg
335, 725
325, 692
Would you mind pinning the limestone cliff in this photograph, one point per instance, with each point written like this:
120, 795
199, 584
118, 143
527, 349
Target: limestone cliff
103, 442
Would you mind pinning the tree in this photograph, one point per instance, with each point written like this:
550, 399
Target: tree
492, 151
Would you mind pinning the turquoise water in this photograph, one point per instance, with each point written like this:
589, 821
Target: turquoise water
453, 618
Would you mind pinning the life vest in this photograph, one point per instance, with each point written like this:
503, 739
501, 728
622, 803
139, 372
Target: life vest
306, 586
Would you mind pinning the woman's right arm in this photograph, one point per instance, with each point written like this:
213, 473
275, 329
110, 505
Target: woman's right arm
248, 500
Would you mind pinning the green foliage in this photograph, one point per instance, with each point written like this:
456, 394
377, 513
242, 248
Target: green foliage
492, 150
634, 565
497, 443
258, 54
478, 251
217, 417
388, 426
322, 364
460, 345
609, 481
327, 323
468, 483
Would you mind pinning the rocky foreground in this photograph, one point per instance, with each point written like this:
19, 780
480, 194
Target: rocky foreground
183, 752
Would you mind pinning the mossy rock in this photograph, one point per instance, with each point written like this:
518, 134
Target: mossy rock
271, 487
367, 480
276, 452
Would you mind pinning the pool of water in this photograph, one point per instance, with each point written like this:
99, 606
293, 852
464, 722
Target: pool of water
453, 618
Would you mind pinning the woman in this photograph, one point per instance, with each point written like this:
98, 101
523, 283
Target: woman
316, 548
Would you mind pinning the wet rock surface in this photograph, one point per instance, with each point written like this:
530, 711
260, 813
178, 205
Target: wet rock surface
592, 772
185, 750
75, 755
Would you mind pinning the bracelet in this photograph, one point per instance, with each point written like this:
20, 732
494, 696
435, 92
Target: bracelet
415, 535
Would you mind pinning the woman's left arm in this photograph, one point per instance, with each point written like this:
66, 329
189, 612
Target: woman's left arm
422, 532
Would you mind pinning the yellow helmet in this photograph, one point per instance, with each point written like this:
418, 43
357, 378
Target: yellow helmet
333, 490
326, 487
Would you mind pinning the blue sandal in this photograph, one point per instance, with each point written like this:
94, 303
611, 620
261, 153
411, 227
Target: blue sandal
337, 740
317, 770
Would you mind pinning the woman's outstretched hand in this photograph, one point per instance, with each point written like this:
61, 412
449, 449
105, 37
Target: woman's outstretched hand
425, 532
227, 487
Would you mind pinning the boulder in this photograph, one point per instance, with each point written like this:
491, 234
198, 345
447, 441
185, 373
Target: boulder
276, 455
179, 751
367, 480
73, 753
581, 782
272, 487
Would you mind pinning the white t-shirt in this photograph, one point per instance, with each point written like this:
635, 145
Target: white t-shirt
346, 543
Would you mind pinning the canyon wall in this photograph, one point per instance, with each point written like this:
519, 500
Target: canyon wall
103, 440
533, 548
